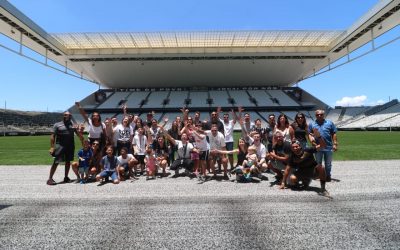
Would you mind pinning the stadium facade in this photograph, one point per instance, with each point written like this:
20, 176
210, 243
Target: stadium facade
165, 71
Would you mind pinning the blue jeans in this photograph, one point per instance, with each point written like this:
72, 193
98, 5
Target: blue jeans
327, 155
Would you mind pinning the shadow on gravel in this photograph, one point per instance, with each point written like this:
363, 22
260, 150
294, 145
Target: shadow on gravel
4, 206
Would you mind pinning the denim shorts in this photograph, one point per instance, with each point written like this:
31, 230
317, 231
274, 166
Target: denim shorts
125, 166
229, 146
84, 170
112, 174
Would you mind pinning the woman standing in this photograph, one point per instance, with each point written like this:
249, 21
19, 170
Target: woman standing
298, 130
282, 126
97, 128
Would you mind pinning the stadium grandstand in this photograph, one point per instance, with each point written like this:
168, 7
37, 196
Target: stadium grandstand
165, 71
13, 122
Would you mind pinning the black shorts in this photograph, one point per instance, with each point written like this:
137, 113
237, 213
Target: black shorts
203, 155
121, 144
140, 158
304, 173
63, 154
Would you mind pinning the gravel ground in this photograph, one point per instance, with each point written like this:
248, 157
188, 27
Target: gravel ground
184, 214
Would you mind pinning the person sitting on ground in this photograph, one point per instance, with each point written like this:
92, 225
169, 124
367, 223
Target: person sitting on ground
94, 163
255, 139
305, 168
109, 165
84, 156
241, 152
126, 164
249, 166
251, 158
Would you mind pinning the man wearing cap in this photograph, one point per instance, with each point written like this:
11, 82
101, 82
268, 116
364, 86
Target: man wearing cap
62, 145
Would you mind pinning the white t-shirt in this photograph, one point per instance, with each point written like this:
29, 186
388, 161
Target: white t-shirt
95, 132
123, 133
228, 128
216, 142
141, 144
155, 132
182, 153
261, 149
201, 144
122, 161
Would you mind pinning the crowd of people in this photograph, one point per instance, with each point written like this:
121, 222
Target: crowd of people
294, 153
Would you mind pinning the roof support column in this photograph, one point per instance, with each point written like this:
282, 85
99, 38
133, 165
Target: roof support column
20, 43
372, 39
45, 57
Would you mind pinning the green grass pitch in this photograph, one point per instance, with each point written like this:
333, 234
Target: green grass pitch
357, 145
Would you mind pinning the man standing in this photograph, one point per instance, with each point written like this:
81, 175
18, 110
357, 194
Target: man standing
217, 142
62, 145
327, 130
269, 130
215, 120
228, 129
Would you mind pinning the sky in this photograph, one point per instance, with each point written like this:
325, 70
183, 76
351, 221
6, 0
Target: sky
27, 85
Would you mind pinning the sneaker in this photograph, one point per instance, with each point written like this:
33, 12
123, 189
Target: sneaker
325, 193
82, 182
328, 179
226, 177
67, 179
51, 182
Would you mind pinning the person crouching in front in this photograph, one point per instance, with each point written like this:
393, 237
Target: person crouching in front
109, 165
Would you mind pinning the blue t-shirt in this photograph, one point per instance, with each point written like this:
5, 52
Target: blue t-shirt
326, 129
86, 155
109, 163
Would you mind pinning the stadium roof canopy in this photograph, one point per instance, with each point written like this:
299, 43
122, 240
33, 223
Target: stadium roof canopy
201, 58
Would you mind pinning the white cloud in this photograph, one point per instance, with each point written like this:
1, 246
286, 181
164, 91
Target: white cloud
379, 102
351, 101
